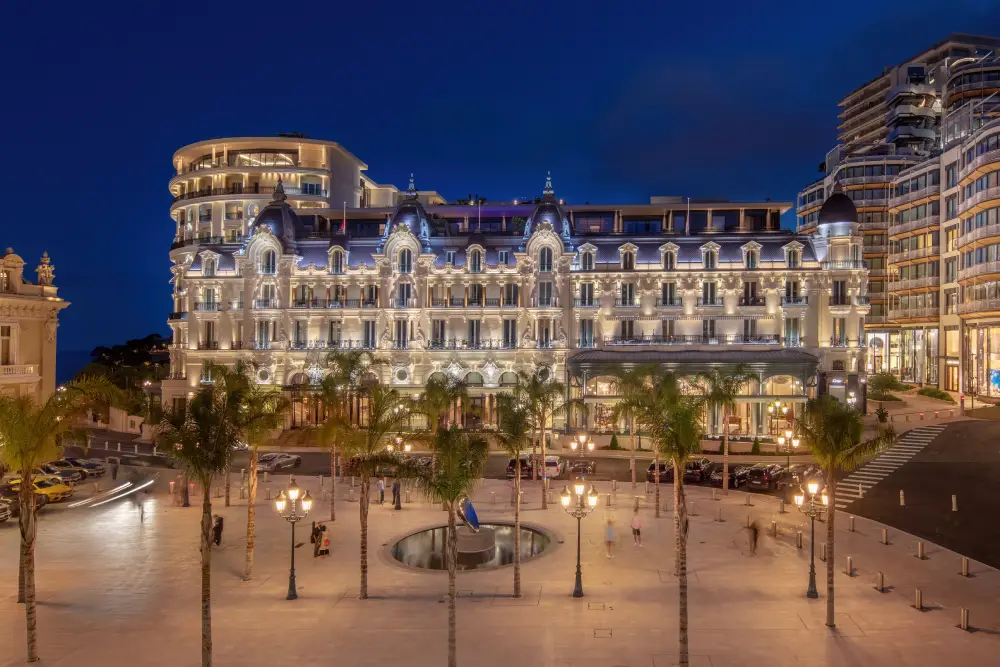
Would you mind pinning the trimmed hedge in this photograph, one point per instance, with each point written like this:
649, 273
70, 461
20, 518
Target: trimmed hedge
934, 392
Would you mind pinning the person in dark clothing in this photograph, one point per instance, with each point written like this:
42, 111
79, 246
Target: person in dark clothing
396, 500
114, 470
754, 537
316, 537
217, 531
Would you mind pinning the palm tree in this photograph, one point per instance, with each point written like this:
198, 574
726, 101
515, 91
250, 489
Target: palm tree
546, 397
333, 396
257, 410
365, 446
720, 387
513, 435
460, 459
675, 423
627, 383
440, 395
832, 431
30, 433
201, 436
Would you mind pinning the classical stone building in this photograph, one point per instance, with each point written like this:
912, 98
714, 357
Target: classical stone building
29, 317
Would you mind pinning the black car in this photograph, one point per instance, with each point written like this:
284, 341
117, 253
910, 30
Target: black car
765, 477
581, 467
666, 472
525, 468
697, 470
738, 475
797, 475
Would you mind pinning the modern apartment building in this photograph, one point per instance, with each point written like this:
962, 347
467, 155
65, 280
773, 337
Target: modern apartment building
29, 317
909, 137
481, 290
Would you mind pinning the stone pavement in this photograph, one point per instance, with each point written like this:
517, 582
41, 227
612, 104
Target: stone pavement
114, 592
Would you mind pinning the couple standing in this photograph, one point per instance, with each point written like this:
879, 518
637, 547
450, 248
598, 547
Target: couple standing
396, 490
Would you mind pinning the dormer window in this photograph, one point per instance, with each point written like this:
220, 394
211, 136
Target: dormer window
793, 258
405, 261
669, 261
475, 261
268, 262
751, 258
449, 257
208, 269
709, 259
628, 260
337, 261
545, 260
587, 261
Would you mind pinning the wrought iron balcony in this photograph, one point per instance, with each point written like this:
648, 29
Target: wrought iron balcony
709, 302
694, 339
676, 302
586, 303
794, 301
752, 301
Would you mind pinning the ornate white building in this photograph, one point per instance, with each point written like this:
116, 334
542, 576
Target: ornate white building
29, 317
481, 290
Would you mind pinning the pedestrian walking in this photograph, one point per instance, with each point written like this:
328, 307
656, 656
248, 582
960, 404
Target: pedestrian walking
114, 470
609, 537
396, 493
315, 539
636, 528
217, 530
754, 536
381, 490
324, 541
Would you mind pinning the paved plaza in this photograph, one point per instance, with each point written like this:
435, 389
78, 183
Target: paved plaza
113, 591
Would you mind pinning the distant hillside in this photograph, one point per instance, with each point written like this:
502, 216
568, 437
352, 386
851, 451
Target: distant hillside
69, 362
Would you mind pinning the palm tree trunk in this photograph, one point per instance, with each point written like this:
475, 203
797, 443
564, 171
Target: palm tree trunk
363, 504
251, 512
333, 482
229, 468
631, 437
831, 486
21, 560
517, 533
452, 561
534, 456
656, 480
678, 480
725, 453
206, 574
26, 522
545, 472
682, 584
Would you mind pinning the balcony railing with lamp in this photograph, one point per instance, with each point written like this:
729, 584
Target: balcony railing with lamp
465, 344
9, 371
208, 345
752, 301
626, 303
404, 303
843, 264
266, 304
207, 307
550, 302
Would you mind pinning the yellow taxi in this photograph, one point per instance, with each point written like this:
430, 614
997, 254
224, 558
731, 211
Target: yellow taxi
53, 489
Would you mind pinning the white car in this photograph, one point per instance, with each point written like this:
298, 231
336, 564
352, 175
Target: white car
275, 461
554, 467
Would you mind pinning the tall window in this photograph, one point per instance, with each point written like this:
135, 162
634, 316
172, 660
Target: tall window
6, 346
793, 259
587, 261
208, 270
751, 259
510, 294
627, 329
402, 334
628, 261
510, 333
475, 331
504, 257
669, 261
708, 259
668, 294
267, 296
545, 294
268, 262
545, 260
476, 262
263, 333
586, 294
438, 333
368, 338
405, 261
337, 262
627, 294
709, 293
4, 282
586, 333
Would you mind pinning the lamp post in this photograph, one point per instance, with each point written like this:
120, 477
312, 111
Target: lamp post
288, 504
582, 442
585, 504
795, 445
788, 449
812, 507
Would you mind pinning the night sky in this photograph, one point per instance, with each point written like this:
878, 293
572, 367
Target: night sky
619, 101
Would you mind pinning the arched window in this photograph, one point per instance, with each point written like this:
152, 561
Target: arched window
587, 261
474, 379
628, 260
545, 260
475, 261
337, 262
405, 261
209, 268
268, 262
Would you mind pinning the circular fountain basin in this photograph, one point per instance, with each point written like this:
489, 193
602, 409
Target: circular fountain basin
491, 547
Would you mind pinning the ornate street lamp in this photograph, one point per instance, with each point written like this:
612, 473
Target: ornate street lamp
288, 504
584, 505
812, 506
582, 442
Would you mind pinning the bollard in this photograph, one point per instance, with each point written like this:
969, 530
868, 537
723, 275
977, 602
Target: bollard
781, 506
635, 506
154, 450
268, 494
902, 500
352, 481
171, 487
749, 520
551, 498
614, 486
119, 446
921, 416
714, 497
135, 449
798, 539
822, 552
718, 516
350, 495
321, 482
906, 418
850, 567
963, 619
920, 550
218, 492
493, 497
647, 487
691, 511
918, 600
861, 491
607, 501
965, 566
880, 582
850, 524
410, 500
747, 500
954, 503
242, 492
774, 529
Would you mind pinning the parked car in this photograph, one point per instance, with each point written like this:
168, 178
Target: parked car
6, 510
765, 477
38, 473
10, 495
275, 461
53, 490
666, 472
697, 470
62, 465
93, 467
525, 460
582, 467
792, 479
554, 467
738, 475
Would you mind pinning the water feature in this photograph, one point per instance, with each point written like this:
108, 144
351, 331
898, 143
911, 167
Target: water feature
492, 547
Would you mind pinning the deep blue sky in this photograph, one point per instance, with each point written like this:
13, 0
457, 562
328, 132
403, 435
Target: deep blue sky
620, 100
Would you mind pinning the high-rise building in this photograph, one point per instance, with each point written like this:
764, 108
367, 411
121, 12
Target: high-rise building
916, 159
269, 270
29, 317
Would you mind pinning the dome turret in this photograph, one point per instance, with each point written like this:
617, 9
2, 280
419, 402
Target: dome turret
838, 208
280, 219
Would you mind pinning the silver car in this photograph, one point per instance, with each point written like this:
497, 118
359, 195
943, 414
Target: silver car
275, 461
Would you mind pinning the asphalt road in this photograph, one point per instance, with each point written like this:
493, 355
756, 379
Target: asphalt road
964, 460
